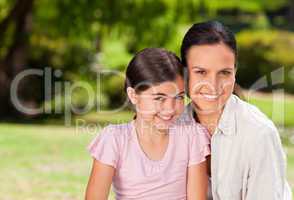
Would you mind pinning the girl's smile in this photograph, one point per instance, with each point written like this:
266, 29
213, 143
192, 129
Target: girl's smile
160, 105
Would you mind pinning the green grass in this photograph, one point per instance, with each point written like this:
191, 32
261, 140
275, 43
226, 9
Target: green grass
290, 166
43, 162
281, 111
51, 162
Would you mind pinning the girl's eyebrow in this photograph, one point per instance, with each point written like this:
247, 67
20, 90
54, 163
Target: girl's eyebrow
162, 94
159, 94
180, 93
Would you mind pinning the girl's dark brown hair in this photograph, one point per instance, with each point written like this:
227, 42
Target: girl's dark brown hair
152, 66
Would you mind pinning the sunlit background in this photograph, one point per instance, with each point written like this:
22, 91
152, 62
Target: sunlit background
64, 61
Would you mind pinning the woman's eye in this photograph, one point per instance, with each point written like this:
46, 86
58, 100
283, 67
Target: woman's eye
226, 72
201, 72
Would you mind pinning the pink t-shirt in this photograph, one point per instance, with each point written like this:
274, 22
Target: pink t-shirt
139, 178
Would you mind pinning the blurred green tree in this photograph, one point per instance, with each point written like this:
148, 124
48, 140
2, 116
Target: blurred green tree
82, 37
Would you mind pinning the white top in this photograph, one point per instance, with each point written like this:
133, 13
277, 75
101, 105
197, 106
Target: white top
247, 158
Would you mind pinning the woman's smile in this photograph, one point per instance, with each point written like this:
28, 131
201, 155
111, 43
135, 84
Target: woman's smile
210, 97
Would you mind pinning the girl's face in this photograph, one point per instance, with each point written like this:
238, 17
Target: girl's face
211, 76
159, 105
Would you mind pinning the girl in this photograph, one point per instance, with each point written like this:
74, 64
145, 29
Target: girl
151, 157
247, 159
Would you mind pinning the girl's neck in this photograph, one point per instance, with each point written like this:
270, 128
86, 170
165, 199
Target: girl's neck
148, 132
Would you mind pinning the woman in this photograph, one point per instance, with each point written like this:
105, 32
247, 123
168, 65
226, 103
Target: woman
247, 160
148, 158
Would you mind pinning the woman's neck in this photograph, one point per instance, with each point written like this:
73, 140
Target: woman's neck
210, 121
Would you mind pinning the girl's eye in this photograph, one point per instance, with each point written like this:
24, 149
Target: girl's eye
179, 97
201, 72
159, 98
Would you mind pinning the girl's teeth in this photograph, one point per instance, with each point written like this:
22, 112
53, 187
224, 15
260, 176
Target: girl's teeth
166, 118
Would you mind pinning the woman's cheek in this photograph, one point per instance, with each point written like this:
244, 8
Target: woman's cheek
229, 87
194, 86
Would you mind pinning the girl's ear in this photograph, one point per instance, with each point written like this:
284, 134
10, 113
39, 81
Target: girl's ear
132, 95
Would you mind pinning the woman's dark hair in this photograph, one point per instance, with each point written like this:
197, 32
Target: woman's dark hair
211, 32
152, 66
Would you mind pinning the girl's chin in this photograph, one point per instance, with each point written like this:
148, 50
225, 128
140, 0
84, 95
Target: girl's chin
163, 125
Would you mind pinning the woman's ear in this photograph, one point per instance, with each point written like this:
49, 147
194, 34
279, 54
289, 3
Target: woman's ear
132, 95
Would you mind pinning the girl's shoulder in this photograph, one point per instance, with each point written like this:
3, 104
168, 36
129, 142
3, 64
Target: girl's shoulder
117, 131
108, 144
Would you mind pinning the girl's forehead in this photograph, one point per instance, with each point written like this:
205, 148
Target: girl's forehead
165, 88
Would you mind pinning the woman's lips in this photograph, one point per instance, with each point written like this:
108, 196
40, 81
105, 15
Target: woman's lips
210, 97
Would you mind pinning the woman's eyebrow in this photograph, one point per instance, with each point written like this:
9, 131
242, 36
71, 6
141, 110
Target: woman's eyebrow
227, 68
202, 68
198, 67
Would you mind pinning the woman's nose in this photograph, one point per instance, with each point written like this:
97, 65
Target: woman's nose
213, 83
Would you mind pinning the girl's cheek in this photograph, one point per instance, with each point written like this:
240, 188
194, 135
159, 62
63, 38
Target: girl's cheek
146, 108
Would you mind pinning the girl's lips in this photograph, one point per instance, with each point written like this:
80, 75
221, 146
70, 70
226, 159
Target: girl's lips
165, 118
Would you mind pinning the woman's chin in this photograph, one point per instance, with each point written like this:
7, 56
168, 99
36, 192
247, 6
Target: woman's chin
208, 108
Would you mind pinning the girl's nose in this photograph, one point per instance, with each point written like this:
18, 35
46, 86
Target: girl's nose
168, 107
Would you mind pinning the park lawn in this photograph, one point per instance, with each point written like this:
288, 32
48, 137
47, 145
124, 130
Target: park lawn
281, 111
290, 166
43, 162
51, 162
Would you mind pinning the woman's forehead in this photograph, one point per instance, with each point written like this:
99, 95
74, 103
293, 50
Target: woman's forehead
206, 55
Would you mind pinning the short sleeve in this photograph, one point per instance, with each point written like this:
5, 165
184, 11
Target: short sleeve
104, 147
199, 145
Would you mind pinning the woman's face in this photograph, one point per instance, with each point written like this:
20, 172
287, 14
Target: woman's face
160, 105
211, 76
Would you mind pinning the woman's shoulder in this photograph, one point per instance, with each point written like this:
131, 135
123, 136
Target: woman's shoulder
251, 117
